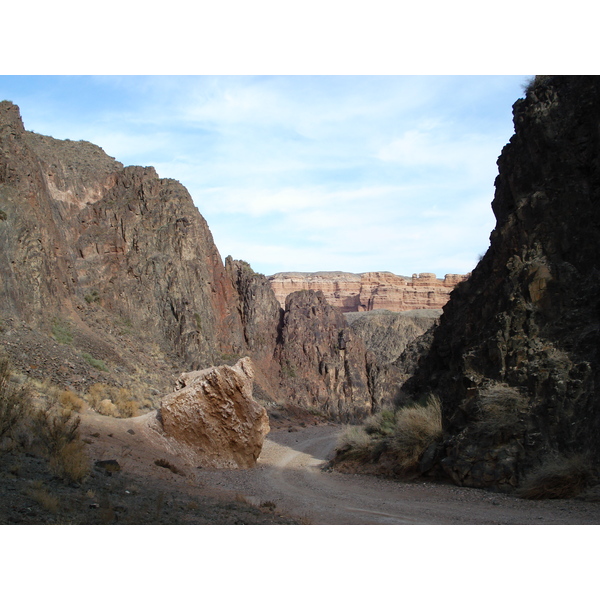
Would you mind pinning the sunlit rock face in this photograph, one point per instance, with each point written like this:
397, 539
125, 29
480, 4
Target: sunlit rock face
214, 414
351, 292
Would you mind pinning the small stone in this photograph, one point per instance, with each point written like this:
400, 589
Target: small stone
131, 431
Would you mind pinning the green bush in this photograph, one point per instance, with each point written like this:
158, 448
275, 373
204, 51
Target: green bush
94, 362
61, 331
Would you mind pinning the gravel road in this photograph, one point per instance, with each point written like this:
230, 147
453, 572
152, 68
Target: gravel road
289, 474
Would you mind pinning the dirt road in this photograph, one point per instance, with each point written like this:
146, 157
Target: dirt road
289, 474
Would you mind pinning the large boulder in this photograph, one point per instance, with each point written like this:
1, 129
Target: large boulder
213, 412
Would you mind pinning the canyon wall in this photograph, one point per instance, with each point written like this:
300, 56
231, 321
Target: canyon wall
110, 275
351, 292
515, 359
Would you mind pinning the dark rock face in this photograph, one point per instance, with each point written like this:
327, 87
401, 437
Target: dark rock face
323, 363
515, 358
261, 318
394, 342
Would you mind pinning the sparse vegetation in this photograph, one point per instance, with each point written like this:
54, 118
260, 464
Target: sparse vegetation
558, 477
38, 492
3, 215
165, 464
61, 331
403, 434
198, 321
288, 370
112, 401
94, 362
57, 431
15, 401
93, 296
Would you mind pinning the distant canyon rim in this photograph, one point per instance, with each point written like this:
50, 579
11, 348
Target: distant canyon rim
377, 290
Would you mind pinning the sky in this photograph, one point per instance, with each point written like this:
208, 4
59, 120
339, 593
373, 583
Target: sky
305, 173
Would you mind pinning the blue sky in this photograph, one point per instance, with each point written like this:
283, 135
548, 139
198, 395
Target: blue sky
305, 173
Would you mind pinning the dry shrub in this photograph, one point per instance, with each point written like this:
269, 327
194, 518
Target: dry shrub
165, 464
404, 435
354, 443
381, 424
558, 477
107, 408
112, 401
55, 426
125, 404
416, 428
95, 394
70, 400
498, 409
15, 401
71, 462
40, 494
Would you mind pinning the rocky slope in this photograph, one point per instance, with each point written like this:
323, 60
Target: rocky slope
351, 292
515, 358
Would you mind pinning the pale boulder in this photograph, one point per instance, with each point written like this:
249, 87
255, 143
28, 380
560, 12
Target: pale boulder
214, 414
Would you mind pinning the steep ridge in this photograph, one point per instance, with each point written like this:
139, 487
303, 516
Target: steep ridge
515, 358
351, 292
82, 230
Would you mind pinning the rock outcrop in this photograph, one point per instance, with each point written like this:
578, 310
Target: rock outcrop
214, 414
394, 343
352, 292
515, 359
323, 362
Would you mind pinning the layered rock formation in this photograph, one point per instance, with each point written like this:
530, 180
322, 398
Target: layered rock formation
214, 414
352, 292
515, 359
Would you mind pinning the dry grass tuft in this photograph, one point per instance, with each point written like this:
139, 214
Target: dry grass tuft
70, 400
499, 409
416, 428
558, 477
355, 443
403, 435
40, 494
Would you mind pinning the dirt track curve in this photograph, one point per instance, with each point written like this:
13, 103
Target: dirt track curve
289, 474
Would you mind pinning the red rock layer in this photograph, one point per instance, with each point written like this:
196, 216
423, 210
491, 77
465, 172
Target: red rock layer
352, 292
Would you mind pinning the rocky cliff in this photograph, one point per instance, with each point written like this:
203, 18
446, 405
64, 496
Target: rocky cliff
515, 358
90, 250
109, 275
352, 292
